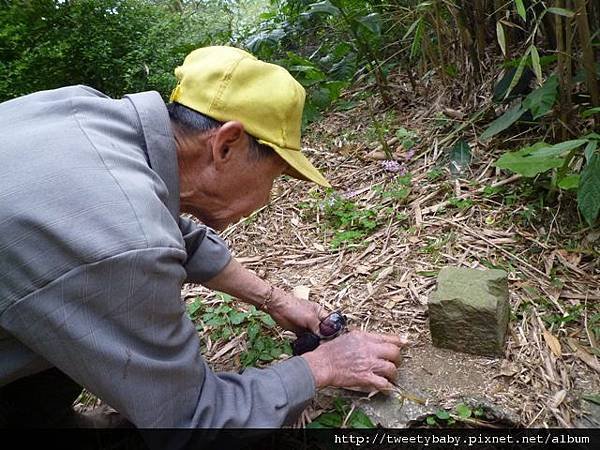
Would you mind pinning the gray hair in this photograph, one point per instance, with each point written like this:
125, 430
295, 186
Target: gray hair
190, 121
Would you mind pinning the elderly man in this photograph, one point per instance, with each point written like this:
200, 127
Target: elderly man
93, 251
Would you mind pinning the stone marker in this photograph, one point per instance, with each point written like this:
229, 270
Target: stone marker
469, 311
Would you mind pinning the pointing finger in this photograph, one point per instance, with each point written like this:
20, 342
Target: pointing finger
390, 352
390, 339
388, 370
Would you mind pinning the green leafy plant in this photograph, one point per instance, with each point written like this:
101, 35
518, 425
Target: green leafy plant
441, 417
435, 174
491, 191
348, 36
562, 160
399, 189
407, 138
460, 158
115, 46
194, 308
324, 86
363, 26
572, 315
224, 321
539, 102
350, 222
380, 127
459, 203
460, 413
339, 414
538, 158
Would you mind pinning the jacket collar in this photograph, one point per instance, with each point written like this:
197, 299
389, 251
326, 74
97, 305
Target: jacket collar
160, 144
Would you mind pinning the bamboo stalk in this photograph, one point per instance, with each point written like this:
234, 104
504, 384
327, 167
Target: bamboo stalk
569, 36
480, 27
466, 11
438, 32
563, 76
585, 41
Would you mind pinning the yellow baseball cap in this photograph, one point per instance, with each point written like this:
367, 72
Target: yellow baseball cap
227, 83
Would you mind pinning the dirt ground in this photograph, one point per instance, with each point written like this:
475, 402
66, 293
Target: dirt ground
383, 282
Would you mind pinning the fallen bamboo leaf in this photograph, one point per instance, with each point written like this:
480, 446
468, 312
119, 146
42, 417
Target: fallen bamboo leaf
228, 347
453, 113
583, 355
249, 259
377, 155
370, 289
594, 398
384, 273
571, 258
418, 215
508, 368
363, 269
391, 303
301, 292
557, 399
553, 343
549, 263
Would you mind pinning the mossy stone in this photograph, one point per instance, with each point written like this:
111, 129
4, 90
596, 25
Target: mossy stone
469, 311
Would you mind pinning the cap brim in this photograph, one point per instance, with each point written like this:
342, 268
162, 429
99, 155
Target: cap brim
301, 167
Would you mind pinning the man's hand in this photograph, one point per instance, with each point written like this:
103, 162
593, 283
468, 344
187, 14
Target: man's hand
295, 314
290, 312
357, 360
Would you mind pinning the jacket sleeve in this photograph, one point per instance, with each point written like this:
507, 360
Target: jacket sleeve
119, 328
207, 252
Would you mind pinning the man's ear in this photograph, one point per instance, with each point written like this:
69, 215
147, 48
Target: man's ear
228, 140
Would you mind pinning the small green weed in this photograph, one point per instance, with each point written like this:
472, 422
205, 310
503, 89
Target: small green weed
401, 217
502, 265
529, 214
461, 412
380, 127
524, 192
349, 222
224, 321
435, 244
399, 189
594, 324
435, 175
490, 191
335, 418
440, 120
572, 314
461, 203
407, 138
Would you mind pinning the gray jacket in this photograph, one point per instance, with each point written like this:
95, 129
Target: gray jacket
93, 255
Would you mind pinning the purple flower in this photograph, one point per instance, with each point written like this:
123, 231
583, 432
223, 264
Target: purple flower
394, 166
409, 154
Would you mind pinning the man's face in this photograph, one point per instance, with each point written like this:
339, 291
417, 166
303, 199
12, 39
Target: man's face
244, 189
232, 183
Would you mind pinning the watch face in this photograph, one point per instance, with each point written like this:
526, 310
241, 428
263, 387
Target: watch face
332, 325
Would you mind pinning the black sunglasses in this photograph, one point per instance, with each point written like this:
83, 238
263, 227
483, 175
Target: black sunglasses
330, 327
